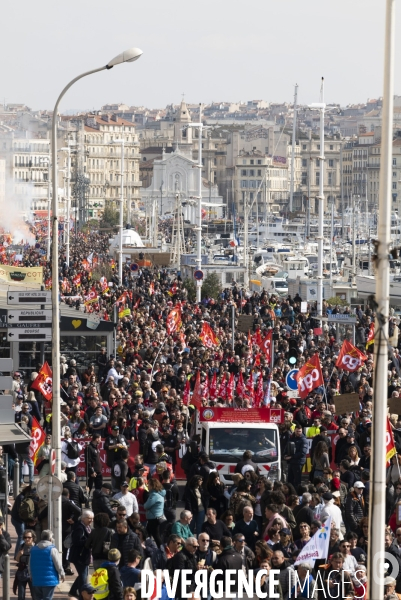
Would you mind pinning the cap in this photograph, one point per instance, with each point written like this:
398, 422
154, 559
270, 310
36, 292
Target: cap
336, 494
161, 405
327, 496
164, 389
389, 581
138, 393
107, 486
322, 428
285, 531
246, 468
124, 484
114, 555
88, 588
358, 484
115, 428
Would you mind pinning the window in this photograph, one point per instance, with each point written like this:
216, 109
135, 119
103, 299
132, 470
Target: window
252, 162
303, 146
304, 178
252, 184
243, 172
330, 178
394, 162
244, 183
318, 146
252, 173
215, 161
317, 162
304, 162
259, 162
331, 162
317, 181
394, 173
259, 172
331, 147
243, 161
394, 185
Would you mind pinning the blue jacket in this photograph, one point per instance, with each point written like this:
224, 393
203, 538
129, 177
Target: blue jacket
154, 505
41, 565
301, 450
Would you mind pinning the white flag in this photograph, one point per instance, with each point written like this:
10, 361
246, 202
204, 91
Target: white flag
318, 545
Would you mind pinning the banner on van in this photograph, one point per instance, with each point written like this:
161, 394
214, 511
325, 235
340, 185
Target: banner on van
242, 415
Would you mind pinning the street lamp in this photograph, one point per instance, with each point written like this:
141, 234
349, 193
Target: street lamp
121, 223
129, 55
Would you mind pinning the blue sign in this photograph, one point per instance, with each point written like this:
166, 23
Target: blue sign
290, 379
134, 267
198, 275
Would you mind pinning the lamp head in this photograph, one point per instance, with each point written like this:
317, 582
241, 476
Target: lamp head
127, 56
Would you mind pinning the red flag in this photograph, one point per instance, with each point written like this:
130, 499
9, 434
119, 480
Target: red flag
309, 376
350, 358
222, 393
174, 320
151, 288
259, 392
213, 387
43, 382
371, 336
38, 438
249, 340
208, 337
266, 344
240, 385
257, 338
91, 297
77, 280
186, 393
249, 387
390, 446
206, 388
230, 388
196, 399
257, 360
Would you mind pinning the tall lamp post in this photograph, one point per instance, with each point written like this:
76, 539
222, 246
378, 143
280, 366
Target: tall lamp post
198, 228
128, 56
121, 224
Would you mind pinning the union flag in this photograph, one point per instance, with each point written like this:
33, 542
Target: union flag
38, 438
186, 393
309, 376
208, 337
174, 320
350, 358
259, 392
196, 399
44, 382
77, 280
213, 387
222, 393
390, 446
240, 385
230, 388
266, 344
371, 336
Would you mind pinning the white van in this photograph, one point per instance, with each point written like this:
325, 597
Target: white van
226, 442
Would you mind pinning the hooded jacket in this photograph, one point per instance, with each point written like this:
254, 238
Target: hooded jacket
154, 505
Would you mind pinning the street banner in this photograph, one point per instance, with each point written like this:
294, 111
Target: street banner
241, 415
24, 275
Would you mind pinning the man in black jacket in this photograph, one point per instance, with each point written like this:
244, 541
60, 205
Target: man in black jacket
124, 540
93, 464
101, 501
187, 560
114, 445
229, 559
246, 460
77, 494
5, 544
297, 460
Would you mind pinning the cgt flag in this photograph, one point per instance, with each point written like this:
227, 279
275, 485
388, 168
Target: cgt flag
266, 344
350, 358
371, 336
309, 376
174, 320
390, 446
38, 438
208, 337
44, 382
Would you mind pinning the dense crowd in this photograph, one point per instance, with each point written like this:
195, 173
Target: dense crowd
142, 516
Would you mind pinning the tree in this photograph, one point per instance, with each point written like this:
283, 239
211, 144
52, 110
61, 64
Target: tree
110, 216
211, 286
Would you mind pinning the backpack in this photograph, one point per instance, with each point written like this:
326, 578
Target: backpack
100, 581
27, 510
72, 450
169, 498
68, 541
2, 481
117, 470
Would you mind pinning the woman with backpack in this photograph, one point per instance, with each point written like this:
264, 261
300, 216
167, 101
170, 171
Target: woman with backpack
22, 577
70, 450
24, 509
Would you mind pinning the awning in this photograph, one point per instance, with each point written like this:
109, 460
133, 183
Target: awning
10, 433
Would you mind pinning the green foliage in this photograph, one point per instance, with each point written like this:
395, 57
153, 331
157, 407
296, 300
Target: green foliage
211, 286
189, 285
336, 301
110, 216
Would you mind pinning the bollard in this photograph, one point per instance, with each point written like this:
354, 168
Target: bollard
17, 467
6, 578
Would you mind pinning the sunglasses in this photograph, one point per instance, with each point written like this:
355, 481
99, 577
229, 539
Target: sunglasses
242, 541
28, 537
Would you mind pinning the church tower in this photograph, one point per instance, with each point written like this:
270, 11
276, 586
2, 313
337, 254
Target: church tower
182, 134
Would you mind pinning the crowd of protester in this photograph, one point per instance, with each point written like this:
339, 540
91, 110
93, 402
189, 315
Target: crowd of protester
141, 514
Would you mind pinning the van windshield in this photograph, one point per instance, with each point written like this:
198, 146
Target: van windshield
228, 444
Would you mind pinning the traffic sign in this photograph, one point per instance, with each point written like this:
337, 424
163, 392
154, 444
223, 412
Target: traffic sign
16, 297
29, 318
292, 394
134, 267
49, 486
6, 365
290, 379
29, 334
198, 275
6, 382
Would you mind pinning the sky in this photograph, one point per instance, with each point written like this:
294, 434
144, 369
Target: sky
213, 50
